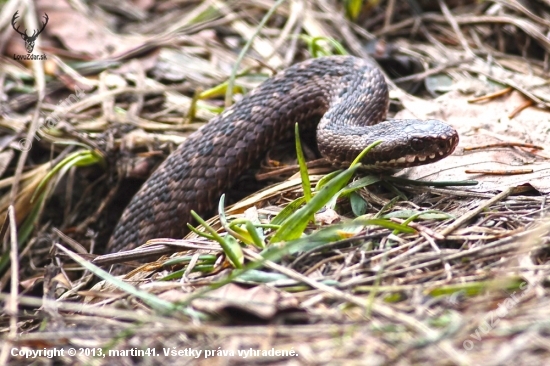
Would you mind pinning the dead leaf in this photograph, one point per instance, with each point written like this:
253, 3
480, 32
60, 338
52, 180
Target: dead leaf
85, 34
261, 301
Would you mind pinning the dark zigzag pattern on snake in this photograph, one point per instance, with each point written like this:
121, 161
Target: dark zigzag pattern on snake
346, 97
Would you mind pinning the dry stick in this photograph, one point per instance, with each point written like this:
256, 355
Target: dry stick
491, 96
415, 247
98, 98
499, 197
379, 308
515, 5
322, 262
180, 23
526, 26
290, 53
498, 245
107, 311
291, 169
435, 70
445, 264
8, 8
506, 81
296, 9
13, 303
390, 11
342, 25
455, 27
38, 67
498, 172
31, 23
418, 25
231, 81
170, 325
153, 247
360, 302
504, 144
452, 192
521, 107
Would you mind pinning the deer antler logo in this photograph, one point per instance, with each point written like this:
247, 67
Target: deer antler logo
29, 40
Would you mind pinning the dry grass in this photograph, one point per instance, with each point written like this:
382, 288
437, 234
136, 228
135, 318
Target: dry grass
468, 286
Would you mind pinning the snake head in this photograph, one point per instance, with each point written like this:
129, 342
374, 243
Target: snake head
407, 143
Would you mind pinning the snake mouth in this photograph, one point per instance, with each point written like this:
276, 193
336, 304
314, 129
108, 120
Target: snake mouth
409, 160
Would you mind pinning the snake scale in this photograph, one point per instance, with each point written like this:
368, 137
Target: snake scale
344, 96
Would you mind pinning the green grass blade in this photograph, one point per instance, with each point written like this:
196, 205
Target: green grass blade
79, 158
287, 211
306, 185
425, 215
236, 231
295, 225
353, 8
200, 233
219, 90
233, 252
358, 204
352, 187
365, 152
386, 207
253, 232
152, 300
328, 235
360, 183
327, 178
317, 49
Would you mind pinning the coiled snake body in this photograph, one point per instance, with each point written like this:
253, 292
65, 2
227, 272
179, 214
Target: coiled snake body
346, 97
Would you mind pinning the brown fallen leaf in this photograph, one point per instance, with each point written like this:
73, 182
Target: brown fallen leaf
85, 34
259, 302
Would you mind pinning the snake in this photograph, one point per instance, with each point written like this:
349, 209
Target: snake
345, 98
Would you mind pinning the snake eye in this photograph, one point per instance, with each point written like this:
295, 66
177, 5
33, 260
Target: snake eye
417, 144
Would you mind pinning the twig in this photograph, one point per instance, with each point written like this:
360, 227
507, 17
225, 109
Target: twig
473, 213
231, 81
455, 27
